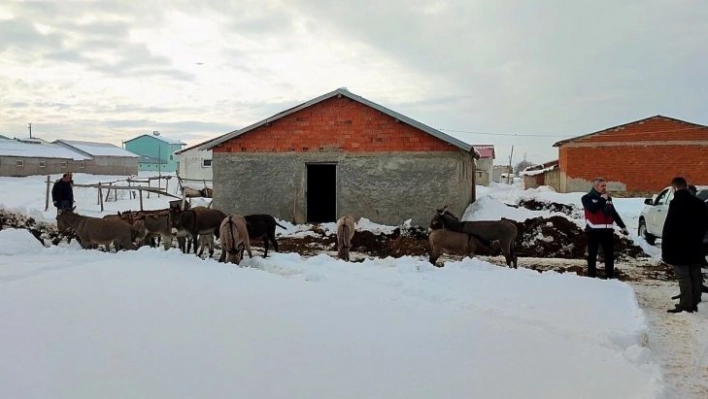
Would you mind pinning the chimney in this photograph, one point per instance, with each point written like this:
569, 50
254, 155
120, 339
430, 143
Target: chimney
155, 133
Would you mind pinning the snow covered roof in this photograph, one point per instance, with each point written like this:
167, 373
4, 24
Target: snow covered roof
161, 138
14, 148
96, 149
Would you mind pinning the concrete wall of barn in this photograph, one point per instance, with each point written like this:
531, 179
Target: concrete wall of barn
638, 157
119, 166
385, 189
32, 166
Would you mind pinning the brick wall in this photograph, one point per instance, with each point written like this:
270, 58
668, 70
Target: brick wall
336, 124
641, 156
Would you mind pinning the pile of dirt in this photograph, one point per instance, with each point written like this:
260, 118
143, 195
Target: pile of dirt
44, 232
572, 211
558, 237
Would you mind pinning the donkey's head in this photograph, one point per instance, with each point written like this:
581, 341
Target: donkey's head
443, 217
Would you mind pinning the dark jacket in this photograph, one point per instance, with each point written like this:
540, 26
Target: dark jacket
600, 213
62, 191
685, 226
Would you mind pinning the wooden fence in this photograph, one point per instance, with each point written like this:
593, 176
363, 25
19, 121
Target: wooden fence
114, 186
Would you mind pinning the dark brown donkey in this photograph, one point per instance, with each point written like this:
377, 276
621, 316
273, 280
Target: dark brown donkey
199, 220
486, 231
263, 227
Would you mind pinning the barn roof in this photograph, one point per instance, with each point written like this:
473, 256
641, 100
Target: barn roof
14, 148
346, 93
570, 140
95, 149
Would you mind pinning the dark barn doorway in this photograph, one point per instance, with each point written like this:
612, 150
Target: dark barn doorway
321, 192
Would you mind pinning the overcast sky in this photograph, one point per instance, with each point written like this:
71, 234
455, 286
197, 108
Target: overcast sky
525, 73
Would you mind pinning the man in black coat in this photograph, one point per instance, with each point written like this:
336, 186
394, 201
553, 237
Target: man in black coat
682, 243
63, 193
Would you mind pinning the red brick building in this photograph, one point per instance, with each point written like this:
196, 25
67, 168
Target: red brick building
341, 153
638, 156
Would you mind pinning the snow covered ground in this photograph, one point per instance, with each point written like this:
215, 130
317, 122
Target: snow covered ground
154, 323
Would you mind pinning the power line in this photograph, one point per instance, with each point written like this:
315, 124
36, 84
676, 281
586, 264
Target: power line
502, 134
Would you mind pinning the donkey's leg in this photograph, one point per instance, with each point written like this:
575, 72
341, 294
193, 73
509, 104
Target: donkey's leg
265, 245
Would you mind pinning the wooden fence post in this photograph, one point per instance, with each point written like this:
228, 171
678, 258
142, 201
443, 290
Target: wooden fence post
46, 205
100, 195
141, 198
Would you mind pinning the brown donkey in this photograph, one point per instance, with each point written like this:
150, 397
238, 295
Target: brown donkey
345, 232
234, 239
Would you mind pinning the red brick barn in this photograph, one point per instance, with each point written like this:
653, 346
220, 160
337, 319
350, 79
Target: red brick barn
341, 154
638, 156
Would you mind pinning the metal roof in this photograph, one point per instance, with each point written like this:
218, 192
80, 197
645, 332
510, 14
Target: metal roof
346, 93
95, 149
158, 137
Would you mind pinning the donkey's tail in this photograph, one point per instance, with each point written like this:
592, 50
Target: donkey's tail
233, 249
280, 225
343, 236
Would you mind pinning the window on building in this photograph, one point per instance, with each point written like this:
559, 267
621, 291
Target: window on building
20, 164
63, 165
42, 164
171, 157
206, 163
82, 164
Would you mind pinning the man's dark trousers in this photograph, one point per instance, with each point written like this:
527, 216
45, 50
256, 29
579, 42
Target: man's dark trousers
690, 281
601, 238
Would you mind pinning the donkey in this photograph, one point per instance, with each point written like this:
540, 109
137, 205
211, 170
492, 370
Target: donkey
486, 231
263, 226
234, 239
94, 231
346, 227
452, 242
197, 221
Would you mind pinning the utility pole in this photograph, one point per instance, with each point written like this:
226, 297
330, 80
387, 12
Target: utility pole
510, 172
30, 129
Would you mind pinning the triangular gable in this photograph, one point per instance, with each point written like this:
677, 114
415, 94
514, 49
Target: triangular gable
619, 127
210, 144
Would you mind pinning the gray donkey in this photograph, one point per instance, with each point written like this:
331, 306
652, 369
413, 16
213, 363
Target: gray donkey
452, 242
93, 231
486, 231
346, 225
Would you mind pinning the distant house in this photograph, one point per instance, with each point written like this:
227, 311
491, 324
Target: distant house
105, 158
485, 164
156, 151
544, 174
21, 159
503, 174
643, 155
195, 162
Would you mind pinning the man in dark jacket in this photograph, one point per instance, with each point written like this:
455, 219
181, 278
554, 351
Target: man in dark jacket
682, 243
63, 193
600, 217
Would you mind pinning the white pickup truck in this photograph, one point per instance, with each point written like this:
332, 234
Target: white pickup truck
651, 220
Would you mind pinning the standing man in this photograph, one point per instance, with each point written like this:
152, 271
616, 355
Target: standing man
682, 243
600, 217
63, 193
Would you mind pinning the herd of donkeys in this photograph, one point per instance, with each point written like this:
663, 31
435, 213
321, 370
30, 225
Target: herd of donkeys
196, 229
